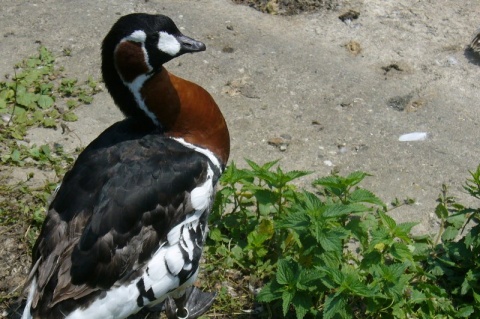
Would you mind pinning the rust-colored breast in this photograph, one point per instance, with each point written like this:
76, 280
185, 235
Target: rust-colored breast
188, 111
130, 60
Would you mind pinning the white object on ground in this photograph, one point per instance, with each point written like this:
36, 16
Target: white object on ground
412, 137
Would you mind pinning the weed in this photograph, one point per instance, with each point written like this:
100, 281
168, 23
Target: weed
33, 97
336, 253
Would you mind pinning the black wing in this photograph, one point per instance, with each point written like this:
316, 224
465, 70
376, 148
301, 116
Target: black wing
113, 210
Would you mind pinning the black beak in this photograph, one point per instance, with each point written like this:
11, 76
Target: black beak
189, 45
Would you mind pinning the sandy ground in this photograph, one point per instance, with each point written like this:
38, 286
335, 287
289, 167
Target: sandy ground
340, 94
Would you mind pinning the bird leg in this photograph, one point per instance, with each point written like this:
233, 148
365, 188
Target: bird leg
191, 305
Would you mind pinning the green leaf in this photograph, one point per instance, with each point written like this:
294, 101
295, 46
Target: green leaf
49, 122
292, 175
45, 101
264, 167
26, 99
441, 211
287, 297
285, 274
406, 227
334, 304
387, 220
307, 278
355, 177
45, 150
69, 117
269, 292
417, 297
15, 156
450, 233
266, 228
215, 234
330, 240
295, 221
401, 252
364, 196
3, 104
86, 99
302, 303
465, 312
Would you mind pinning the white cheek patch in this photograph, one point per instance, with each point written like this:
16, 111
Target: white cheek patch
168, 44
137, 36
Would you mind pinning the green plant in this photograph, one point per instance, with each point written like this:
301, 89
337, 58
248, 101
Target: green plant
335, 252
32, 97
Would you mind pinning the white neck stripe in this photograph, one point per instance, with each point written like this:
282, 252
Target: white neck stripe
136, 85
204, 151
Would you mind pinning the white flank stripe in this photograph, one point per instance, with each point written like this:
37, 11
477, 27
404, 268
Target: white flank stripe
174, 259
201, 195
33, 288
121, 301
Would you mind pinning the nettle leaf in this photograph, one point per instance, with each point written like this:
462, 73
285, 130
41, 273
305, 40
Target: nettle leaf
292, 175
465, 312
215, 234
271, 291
339, 210
441, 211
334, 304
302, 303
266, 228
287, 297
401, 252
361, 195
307, 278
406, 227
298, 221
264, 167
355, 177
387, 220
285, 273
266, 196
330, 240
45, 101
312, 203
256, 240
450, 233
333, 184
417, 297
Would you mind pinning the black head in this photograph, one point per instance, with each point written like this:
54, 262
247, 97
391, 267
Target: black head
156, 40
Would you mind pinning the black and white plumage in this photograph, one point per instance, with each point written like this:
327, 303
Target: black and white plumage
127, 226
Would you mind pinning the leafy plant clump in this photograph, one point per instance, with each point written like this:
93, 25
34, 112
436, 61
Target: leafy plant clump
38, 95
335, 252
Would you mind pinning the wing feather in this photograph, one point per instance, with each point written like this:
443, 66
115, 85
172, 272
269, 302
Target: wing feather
113, 210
